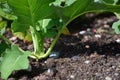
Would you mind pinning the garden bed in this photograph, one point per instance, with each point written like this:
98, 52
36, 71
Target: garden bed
91, 52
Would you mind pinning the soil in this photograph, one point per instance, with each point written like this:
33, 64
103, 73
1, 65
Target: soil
91, 52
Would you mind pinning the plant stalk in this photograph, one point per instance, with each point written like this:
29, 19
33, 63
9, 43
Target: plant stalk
38, 42
51, 46
5, 39
53, 43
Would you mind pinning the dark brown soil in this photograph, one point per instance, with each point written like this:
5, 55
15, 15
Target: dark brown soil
91, 52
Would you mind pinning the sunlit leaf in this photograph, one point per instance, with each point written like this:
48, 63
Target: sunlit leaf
13, 59
3, 24
116, 27
7, 15
24, 36
66, 31
29, 12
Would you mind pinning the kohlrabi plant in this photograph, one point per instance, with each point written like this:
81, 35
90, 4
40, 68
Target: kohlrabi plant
36, 20
116, 25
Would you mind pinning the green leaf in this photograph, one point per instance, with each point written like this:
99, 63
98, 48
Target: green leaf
2, 1
114, 2
24, 36
18, 27
65, 31
75, 8
103, 7
116, 27
30, 11
3, 24
50, 23
111, 1
50, 33
13, 59
63, 3
49, 27
2, 31
7, 15
3, 47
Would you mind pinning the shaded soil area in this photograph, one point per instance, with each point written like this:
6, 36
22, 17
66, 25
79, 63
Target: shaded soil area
91, 52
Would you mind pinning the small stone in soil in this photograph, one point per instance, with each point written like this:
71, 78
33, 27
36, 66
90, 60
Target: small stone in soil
82, 32
75, 57
97, 36
118, 40
106, 26
88, 29
13, 38
94, 55
51, 71
54, 54
87, 62
87, 46
116, 74
113, 67
117, 55
108, 78
72, 76
103, 56
86, 38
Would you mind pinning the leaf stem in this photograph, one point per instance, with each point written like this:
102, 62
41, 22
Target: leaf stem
7, 40
51, 46
53, 43
38, 41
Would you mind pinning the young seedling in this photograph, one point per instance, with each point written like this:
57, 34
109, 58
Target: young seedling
42, 18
